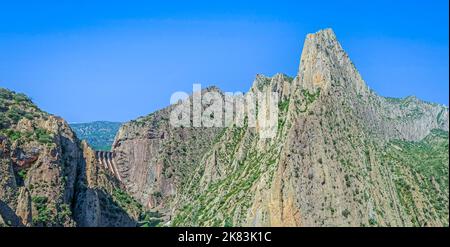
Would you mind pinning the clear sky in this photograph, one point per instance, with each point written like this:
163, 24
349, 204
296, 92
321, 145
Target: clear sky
117, 60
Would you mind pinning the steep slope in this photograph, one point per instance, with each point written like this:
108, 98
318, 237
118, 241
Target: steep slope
101, 199
237, 169
341, 156
39, 165
154, 159
420, 178
48, 178
99, 135
326, 167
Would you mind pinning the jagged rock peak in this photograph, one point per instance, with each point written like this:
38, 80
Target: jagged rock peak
262, 81
279, 83
324, 63
326, 35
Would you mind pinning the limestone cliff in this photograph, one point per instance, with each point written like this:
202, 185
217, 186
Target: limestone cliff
154, 159
48, 178
333, 162
341, 156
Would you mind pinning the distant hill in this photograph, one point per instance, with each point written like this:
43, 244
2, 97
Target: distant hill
100, 134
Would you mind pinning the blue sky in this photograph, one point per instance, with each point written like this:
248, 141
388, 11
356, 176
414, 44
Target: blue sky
117, 60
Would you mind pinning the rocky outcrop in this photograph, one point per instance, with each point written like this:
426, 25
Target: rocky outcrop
326, 67
101, 200
341, 155
153, 158
49, 178
326, 166
39, 165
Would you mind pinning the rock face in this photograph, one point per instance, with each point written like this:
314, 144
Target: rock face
342, 156
153, 158
40, 157
101, 201
49, 178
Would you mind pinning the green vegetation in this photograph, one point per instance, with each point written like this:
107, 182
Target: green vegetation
283, 105
393, 100
439, 117
283, 108
228, 222
125, 201
43, 136
44, 213
11, 134
150, 219
231, 194
14, 107
264, 81
64, 212
310, 97
421, 167
15, 114
20, 98
22, 174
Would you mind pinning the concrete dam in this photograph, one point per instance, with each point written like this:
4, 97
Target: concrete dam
107, 160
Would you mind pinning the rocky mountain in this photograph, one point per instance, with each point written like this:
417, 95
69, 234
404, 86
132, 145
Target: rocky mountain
49, 178
342, 156
154, 159
99, 134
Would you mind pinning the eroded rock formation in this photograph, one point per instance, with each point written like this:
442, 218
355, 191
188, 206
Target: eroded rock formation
333, 161
49, 178
341, 156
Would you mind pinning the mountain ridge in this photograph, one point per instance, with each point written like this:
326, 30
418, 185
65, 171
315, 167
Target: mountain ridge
342, 156
328, 91
50, 178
